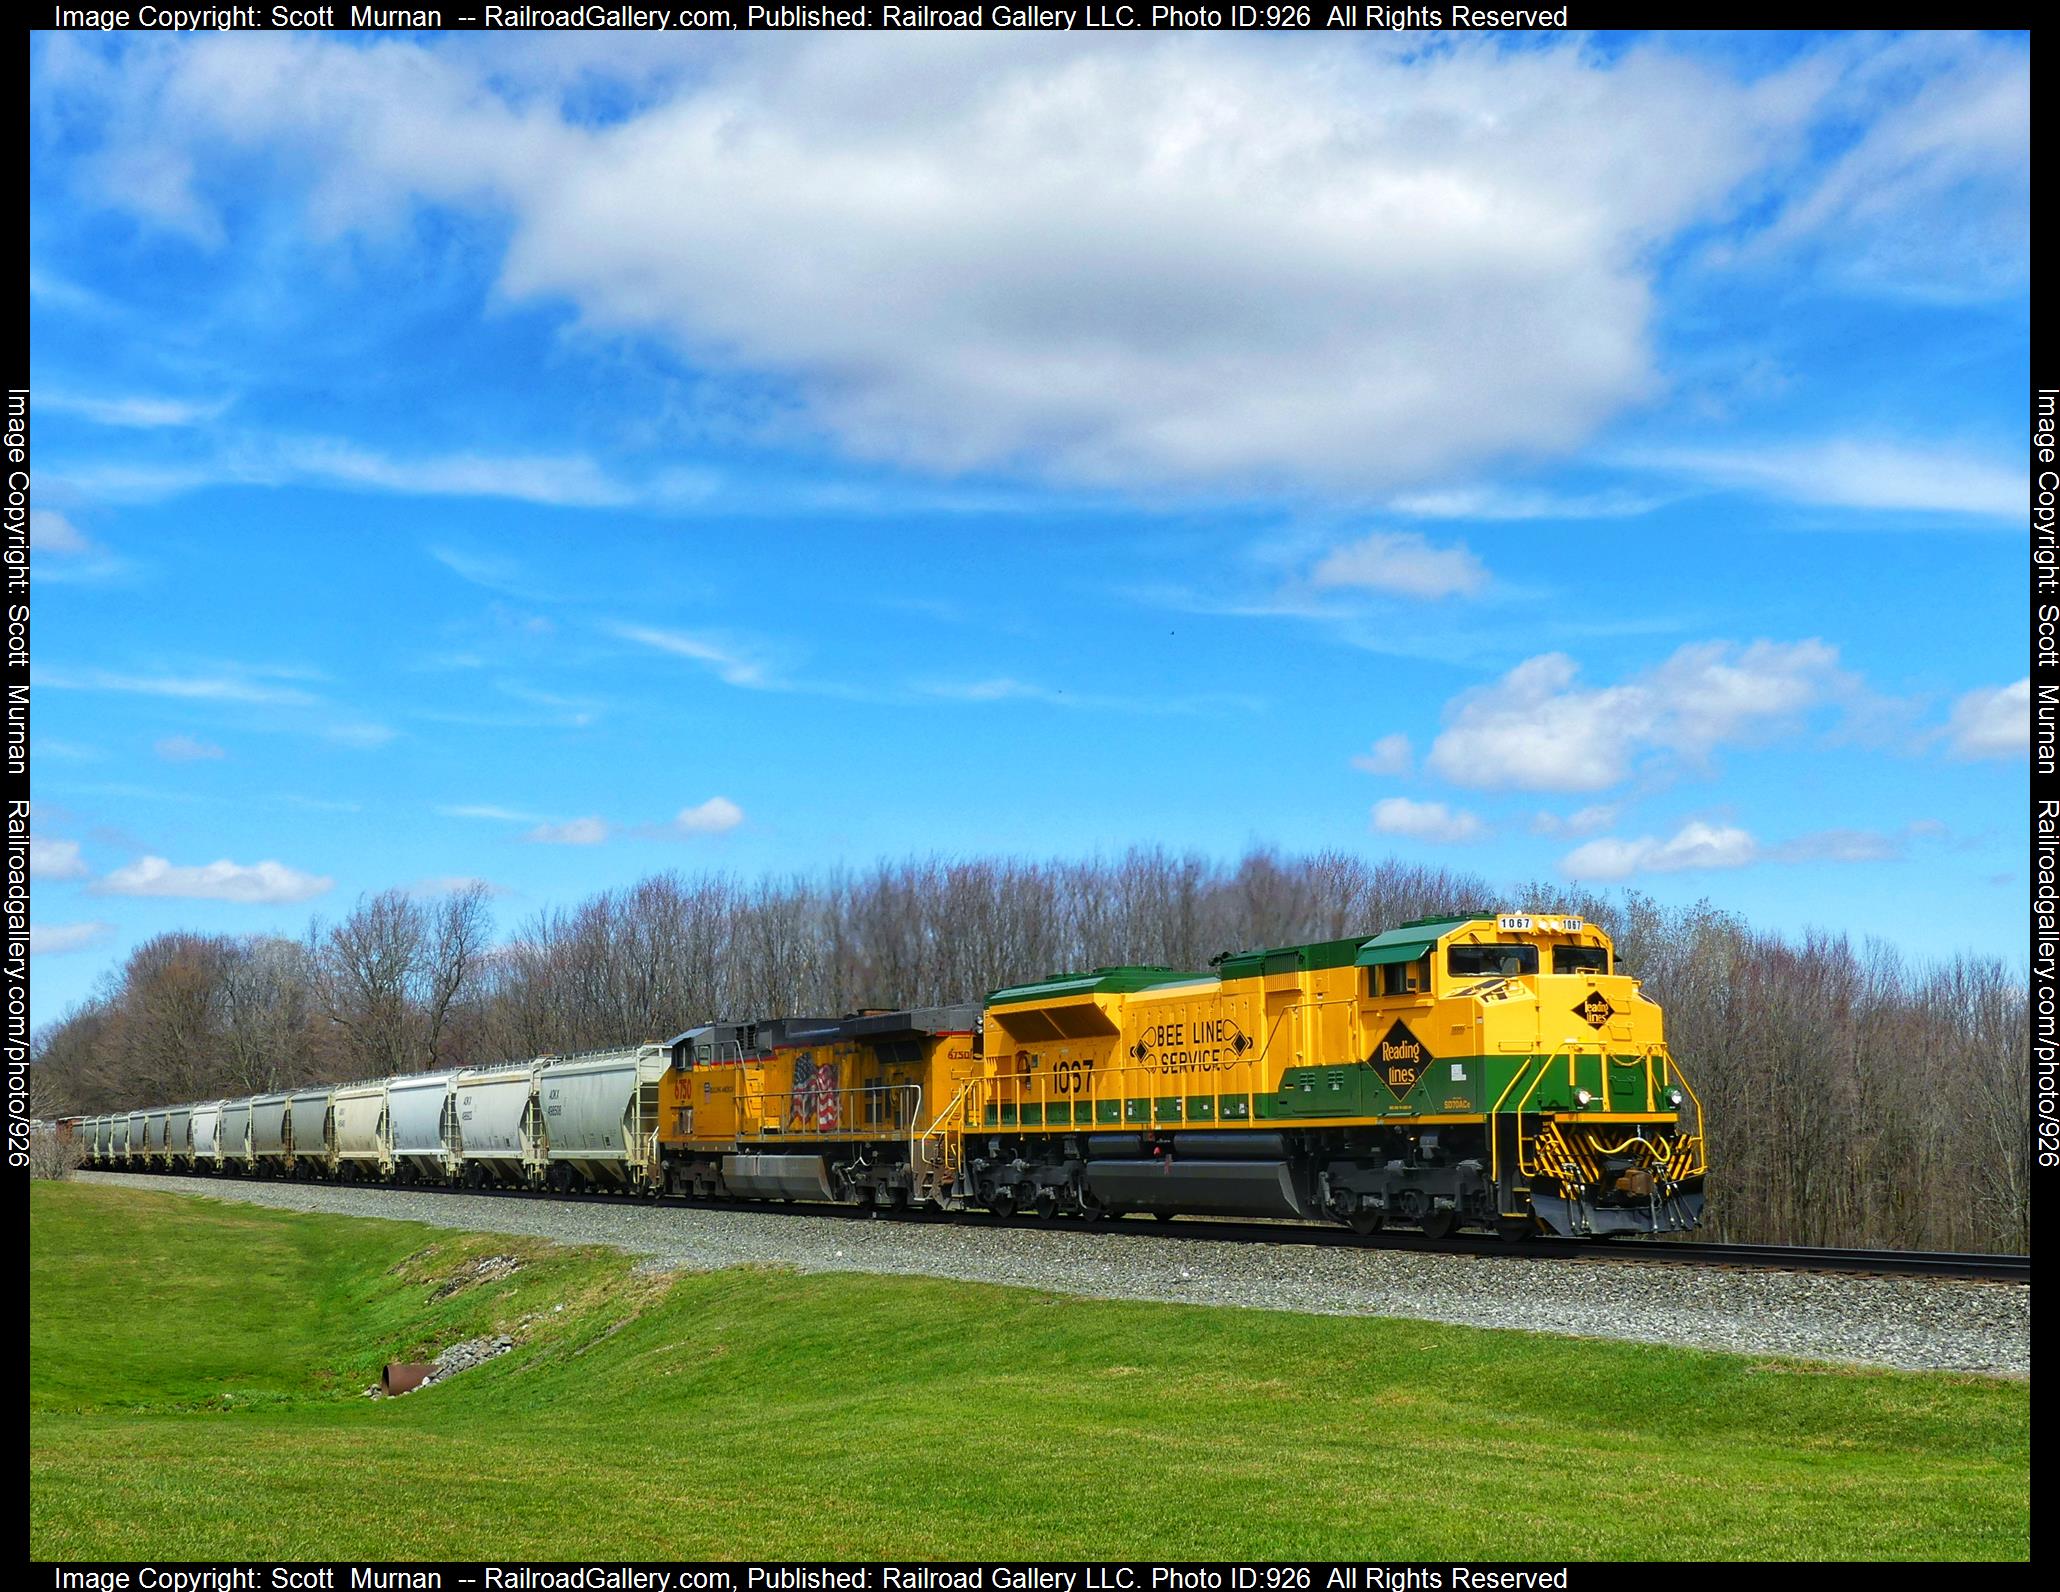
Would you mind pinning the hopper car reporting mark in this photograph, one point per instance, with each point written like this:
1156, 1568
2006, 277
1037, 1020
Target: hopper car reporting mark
1492, 1071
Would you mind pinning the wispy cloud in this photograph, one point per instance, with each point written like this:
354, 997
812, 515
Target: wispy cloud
136, 412
572, 832
53, 532
1852, 473
186, 687
1389, 755
65, 555
1700, 845
1401, 563
296, 710
728, 661
186, 749
1587, 821
486, 811
1008, 689
256, 459
451, 883
1517, 503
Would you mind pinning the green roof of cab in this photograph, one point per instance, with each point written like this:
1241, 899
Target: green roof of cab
1342, 953
1102, 981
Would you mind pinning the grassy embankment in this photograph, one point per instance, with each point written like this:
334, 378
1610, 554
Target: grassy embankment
195, 1372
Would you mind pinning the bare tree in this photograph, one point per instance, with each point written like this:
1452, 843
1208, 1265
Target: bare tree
369, 964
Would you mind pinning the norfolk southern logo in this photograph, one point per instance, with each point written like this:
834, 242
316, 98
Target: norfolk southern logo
1595, 1011
1399, 1058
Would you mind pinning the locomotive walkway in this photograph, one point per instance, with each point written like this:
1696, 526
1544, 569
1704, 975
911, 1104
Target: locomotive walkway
1737, 1300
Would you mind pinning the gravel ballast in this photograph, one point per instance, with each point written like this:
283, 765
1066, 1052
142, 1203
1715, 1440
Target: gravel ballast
1918, 1323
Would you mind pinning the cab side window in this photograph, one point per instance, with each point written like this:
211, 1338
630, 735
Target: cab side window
1401, 978
1504, 960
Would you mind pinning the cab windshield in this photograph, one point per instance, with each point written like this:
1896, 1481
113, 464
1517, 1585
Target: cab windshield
1579, 959
1508, 959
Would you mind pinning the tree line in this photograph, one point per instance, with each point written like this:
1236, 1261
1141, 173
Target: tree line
1854, 1097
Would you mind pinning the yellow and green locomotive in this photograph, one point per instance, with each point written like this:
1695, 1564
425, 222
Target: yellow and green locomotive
1486, 1070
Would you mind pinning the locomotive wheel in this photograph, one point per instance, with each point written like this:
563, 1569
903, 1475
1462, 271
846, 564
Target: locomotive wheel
1515, 1229
1003, 1203
1367, 1220
1165, 1216
1440, 1224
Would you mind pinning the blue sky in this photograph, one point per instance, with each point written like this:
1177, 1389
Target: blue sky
548, 460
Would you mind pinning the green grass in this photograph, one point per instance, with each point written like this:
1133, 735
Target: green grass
195, 1372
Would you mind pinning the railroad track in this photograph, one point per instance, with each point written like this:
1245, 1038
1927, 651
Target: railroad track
1191, 1229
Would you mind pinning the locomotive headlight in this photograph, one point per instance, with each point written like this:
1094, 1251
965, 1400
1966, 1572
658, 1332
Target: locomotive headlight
1582, 1097
1674, 1098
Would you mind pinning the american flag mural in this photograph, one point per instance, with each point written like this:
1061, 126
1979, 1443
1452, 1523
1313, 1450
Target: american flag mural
815, 1095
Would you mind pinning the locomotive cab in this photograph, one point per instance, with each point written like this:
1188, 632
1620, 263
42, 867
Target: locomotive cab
1524, 1024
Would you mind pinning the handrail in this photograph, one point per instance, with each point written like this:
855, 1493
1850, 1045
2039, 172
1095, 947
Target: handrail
848, 1124
939, 1125
1096, 1086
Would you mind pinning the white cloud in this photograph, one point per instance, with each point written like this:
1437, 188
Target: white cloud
1181, 260
1397, 815
257, 883
1992, 723
185, 749
1389, 755
573, 832
711, 817
1404, 563
53, 532
1536, 729
55, 859
55, 939
503, 814
1859, 474
1694, 845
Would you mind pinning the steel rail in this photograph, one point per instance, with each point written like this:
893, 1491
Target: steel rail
1659, 1251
